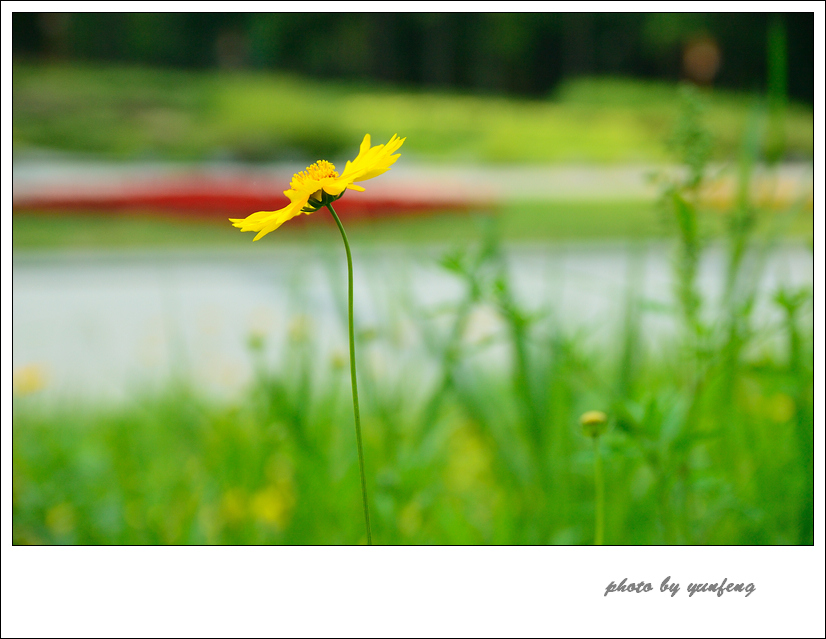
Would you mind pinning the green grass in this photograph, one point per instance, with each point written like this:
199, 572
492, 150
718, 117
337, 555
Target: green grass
519, 221
50, 230
143, 113
710, 438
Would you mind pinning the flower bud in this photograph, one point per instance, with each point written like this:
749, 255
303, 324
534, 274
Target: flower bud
594, 423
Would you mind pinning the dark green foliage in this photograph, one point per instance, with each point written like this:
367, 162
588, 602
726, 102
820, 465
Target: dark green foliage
518, 53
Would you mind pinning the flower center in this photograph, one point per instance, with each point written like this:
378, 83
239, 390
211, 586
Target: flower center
318, 171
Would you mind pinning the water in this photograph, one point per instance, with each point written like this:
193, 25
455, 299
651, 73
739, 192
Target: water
101, 324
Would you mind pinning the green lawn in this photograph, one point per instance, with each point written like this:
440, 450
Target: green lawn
143, 113
518, 221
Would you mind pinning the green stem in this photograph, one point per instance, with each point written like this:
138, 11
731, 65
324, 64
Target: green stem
353, 372
599, 496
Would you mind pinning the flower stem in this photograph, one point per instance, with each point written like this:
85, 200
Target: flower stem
599, 496
353, 372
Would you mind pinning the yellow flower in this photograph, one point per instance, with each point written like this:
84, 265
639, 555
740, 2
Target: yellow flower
321, 184
594, 423
29, 379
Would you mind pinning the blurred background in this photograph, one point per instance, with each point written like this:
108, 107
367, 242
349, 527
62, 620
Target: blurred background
591, 212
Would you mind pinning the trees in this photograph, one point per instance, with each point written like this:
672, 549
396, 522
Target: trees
519, 53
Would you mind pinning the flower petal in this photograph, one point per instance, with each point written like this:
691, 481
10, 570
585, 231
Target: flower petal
267, 221
372, 161
365, 144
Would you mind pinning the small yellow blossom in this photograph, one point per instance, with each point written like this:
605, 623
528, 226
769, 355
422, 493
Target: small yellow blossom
594, 423
780, 407
320, 184
60, 519
300, 328
273, 504
28, 379
338, 360
233, 506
